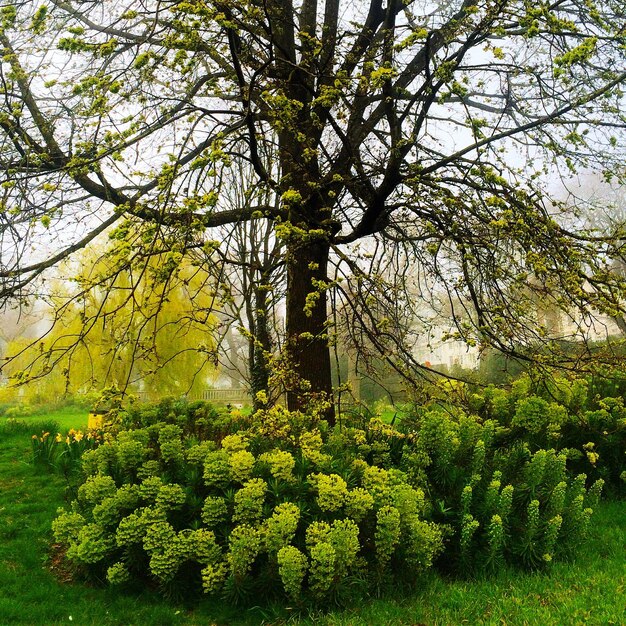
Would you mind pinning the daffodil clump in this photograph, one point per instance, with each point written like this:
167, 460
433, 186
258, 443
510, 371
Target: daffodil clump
63, 451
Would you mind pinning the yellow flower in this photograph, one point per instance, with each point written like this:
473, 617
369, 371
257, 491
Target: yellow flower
58, 438
78, 436
359, 437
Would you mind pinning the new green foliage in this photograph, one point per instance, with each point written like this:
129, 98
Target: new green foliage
285, 513
292, 509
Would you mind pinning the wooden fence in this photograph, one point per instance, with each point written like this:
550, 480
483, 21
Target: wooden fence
225, 396
215, 396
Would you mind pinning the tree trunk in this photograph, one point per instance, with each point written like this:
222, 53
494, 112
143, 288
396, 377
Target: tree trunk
307, 332
234, 369
261, 346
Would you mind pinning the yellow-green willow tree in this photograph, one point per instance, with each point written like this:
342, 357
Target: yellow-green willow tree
135, 321
425, 130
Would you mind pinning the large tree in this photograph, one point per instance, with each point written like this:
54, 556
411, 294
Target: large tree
426, 128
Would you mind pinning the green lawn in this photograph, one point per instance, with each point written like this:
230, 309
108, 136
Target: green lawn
29, 592
66, 418
590, 590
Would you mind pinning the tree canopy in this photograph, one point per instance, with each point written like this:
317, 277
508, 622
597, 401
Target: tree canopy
405, 143
139, 327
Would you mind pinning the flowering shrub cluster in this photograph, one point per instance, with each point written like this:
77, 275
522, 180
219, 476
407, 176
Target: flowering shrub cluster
505, 503
279, 504
198, 419
275, 512
563, 414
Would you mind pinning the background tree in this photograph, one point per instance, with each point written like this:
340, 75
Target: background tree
127, 319
605, 212
250, 266
16, 322
428, 127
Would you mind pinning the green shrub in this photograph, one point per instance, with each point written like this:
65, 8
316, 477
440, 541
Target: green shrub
502, 503
280, 506
199, 419
549, 412
270, 509
40, 404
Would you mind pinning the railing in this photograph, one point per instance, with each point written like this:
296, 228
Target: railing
216, 396
226, 396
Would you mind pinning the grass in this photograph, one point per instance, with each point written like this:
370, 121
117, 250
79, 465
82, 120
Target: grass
588, 590
29, 592
65, 418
